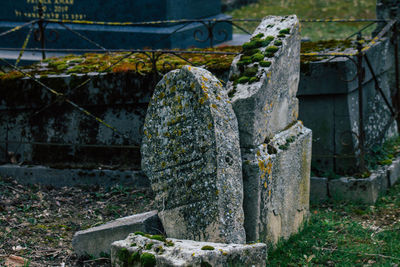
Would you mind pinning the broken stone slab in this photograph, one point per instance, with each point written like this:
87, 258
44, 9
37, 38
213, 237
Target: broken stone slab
276, 179
136, 250
264, 80
191, 154
318, 189
362, 190
97, 240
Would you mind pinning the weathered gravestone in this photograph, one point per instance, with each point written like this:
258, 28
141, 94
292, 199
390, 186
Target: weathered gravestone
172, 35
190, 152
276, 149
265, 80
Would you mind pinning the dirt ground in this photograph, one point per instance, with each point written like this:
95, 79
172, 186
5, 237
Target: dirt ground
37, 223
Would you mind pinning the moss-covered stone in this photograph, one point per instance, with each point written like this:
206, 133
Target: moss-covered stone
284, 31
207, 248
243, 79
265, 64
250, 72
257, 57
148, 260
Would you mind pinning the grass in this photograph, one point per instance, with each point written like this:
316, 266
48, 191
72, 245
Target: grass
313, 9
344, 234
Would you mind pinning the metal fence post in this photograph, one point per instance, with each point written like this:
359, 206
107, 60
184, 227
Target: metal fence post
41, 29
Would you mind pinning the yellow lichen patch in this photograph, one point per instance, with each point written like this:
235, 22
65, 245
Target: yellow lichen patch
161, 96
163, 164
192, 85
258, 153
265, 185
218, 97
173, 89
202, 100
213, 105
210, 126
205, 79
269, 193
204, 87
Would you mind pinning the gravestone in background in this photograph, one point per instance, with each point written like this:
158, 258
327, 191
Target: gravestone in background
16, 12
190, 152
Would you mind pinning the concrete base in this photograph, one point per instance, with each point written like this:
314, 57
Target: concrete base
72, 177
174, 252
98, 239
362, 190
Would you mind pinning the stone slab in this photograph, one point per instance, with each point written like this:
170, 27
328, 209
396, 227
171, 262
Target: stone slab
277, 185
97, 240
265, 101
365, 190
394, 172
318, 189
122, 37
190, 152
175, 252
73, 177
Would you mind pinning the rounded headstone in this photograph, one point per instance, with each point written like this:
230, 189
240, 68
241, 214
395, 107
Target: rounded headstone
191, 154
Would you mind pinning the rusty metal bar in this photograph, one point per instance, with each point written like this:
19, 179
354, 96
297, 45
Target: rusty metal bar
397, 71
41, 29
378, 88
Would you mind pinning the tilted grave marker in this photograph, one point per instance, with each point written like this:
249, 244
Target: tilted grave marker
190, 152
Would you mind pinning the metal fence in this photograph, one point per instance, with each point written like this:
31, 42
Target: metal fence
38, 29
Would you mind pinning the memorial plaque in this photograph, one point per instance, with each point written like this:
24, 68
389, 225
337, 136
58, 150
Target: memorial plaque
190, 152
178, 35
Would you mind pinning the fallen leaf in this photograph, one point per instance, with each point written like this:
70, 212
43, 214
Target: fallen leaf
16, 261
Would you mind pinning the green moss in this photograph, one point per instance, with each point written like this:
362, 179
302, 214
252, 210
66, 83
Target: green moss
133, 258
278, 43
284, 31
207, 248
158, 237
133, 245
281, 35
140, 233
268, 40
149, 246
265, 64
250, 72
243, 79
232, 93
272, 49
258, 36
148, 260
206, 264
254, 79
257, 57
256, 43
123, 255
169, 243
251, 52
